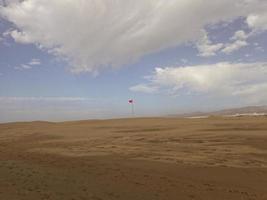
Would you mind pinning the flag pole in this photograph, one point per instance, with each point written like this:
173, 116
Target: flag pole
131, 101
133, 109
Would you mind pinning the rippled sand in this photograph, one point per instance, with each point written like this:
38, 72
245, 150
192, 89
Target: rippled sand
154, 158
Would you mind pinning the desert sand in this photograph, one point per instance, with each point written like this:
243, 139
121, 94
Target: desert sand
214, 158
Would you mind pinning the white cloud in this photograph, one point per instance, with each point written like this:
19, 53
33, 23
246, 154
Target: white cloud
184, 61
93, 35
20, 37
33, 62
206, 48
23, 66
144, 88
54, 99
239, 41
258, 48
240, 35
231, 47
221, 79
258, 21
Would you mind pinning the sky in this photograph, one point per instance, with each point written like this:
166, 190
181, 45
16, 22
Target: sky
84, 59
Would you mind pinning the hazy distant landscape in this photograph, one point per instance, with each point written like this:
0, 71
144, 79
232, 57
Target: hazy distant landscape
234, 112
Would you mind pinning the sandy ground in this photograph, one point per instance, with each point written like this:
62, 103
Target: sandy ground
142, 159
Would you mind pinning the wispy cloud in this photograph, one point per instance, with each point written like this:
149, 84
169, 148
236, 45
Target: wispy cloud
240, 35
144, 88
239, 41
229, 48
34, 61
108, 33
55, 99
206, 48
19, 108
29, 65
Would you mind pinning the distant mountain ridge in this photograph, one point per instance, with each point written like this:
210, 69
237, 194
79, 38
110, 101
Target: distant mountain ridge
243, 110
249, 110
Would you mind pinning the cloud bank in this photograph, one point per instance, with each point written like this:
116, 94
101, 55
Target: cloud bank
95, 34
227, 80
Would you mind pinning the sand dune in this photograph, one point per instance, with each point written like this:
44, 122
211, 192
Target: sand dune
148, 158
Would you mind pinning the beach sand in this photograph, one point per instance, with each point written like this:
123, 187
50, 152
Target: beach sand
215, 158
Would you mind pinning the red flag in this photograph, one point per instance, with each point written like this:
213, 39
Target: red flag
130, 101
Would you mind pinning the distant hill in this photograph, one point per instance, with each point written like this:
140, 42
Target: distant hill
250, 110
244, 110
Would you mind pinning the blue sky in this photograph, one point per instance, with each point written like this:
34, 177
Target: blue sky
84, 59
